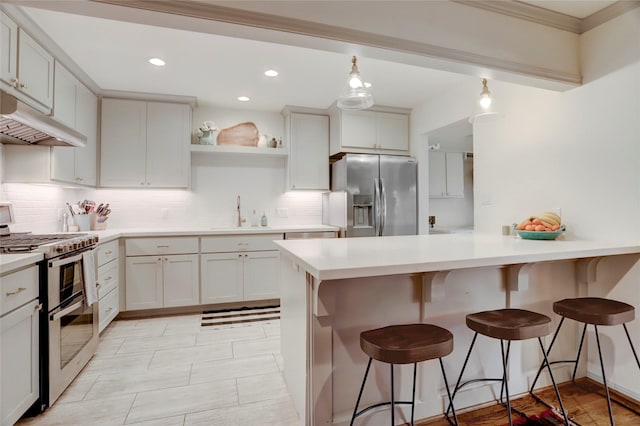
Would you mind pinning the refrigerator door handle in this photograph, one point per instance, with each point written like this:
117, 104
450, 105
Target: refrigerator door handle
376, 206
383, 207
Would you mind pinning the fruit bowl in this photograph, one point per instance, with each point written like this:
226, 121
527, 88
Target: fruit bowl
539, 235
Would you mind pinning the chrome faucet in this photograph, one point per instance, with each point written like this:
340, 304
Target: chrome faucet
240, 220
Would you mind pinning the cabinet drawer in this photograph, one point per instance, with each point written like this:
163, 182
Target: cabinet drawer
108, 277
231, 243
151, 246
108, 308
106, 252
18, 288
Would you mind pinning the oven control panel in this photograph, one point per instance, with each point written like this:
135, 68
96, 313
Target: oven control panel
67, 246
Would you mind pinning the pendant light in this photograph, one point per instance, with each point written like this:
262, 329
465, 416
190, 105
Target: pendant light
485, 108
355, 95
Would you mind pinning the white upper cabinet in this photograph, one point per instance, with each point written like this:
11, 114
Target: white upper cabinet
64, 102
446, 174
27, 69
378, 132
168, 138
8, 51
308, 140
77, 107
145, 144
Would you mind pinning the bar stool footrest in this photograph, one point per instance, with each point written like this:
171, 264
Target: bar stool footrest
380, 404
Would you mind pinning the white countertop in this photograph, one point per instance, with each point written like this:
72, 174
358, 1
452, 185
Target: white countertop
375, 256
111, 234
10, 262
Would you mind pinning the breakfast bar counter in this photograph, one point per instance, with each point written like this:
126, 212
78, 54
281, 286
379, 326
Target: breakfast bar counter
332, 290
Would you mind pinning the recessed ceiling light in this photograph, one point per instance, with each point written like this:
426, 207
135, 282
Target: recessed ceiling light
157, 61
271, 73
243, 98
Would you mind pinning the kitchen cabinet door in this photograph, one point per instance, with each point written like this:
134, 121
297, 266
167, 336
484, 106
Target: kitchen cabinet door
144, 285
446, 174
19, 355
78, 165
35, 71
369, 132
222, 277
8, 51
392, 131
64, 103
168, 158
180, 280
358, 129
309, 151
123, 143
261, 275
86, 159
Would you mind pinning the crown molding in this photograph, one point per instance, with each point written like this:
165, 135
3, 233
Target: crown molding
550, 18
528, 12
608, 13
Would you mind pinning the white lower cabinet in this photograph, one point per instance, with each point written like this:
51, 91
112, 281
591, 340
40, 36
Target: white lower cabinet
19, 344
235, 268
108, 278
158, 275
162, 281
222, 279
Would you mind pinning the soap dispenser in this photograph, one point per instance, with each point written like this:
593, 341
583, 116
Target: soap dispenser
263, 220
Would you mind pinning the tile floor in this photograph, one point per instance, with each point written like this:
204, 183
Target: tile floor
170, 371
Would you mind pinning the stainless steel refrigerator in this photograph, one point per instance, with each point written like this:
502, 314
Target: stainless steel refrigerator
374, 195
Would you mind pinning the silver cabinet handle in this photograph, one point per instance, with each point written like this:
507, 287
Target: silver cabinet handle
14, 292
23, 85
38, 307
108, 252
109, 309
65, 311
109, 278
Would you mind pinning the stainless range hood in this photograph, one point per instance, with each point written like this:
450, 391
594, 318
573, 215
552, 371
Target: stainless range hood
21, 124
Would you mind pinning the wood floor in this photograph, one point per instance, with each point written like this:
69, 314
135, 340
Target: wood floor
584, 400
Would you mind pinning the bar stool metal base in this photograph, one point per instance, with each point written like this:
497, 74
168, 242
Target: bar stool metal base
575, 369
393, 402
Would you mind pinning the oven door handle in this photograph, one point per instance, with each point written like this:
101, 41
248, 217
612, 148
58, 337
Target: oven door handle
65, 311
65, 261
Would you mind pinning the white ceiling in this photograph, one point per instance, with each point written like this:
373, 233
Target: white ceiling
217, 69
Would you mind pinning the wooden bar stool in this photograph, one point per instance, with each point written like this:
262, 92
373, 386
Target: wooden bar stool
404, 344
507, 324
596, 311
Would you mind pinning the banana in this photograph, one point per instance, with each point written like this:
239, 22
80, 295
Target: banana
546, 224
554, 216
548, 219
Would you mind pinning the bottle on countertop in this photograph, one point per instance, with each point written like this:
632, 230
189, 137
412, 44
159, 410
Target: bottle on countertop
65, 222
254, 218
263, 219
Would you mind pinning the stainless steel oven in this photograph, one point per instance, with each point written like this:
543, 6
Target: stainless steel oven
72, 325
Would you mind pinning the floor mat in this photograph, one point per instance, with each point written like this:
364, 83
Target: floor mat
546, 418
240, 316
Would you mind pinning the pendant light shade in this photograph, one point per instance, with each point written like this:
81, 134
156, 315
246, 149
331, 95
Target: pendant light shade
355, 95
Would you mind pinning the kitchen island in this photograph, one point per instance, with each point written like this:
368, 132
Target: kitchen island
332, 290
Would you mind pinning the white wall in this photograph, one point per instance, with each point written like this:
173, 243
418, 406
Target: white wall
578, 150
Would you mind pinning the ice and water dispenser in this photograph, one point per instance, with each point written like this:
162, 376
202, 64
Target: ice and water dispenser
363, 211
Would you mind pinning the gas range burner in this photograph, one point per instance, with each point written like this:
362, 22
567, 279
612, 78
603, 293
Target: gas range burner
49, 244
